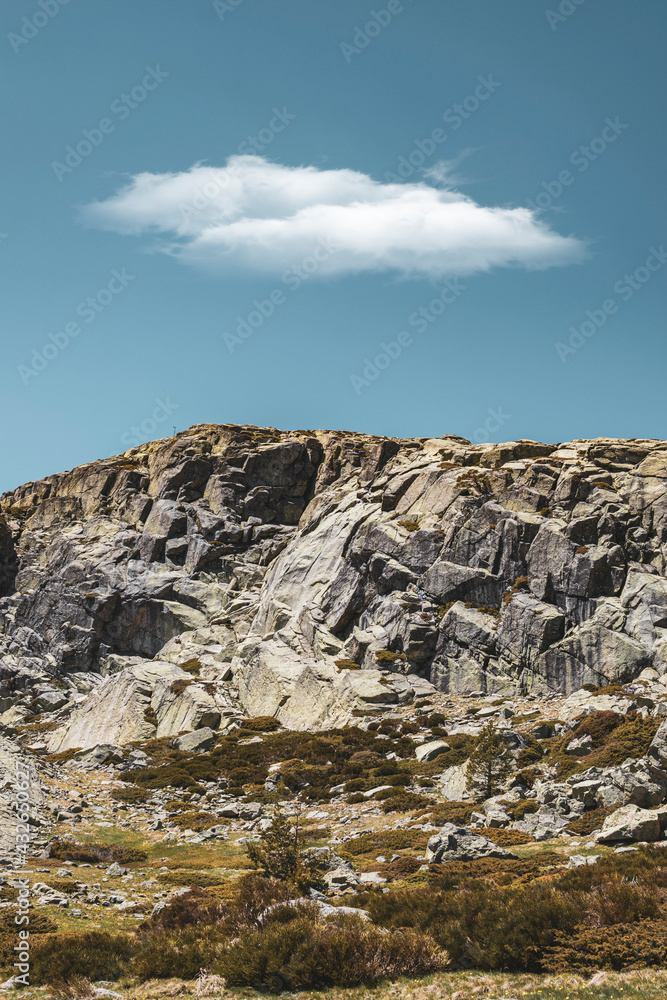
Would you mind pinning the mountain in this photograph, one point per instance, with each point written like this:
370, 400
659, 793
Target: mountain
312, 575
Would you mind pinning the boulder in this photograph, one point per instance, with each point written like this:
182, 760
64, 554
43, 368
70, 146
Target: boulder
103, 753
200, 739
454, 843
630, 823
430, 750
453, 782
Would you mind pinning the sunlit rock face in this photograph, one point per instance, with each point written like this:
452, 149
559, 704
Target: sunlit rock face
312, 575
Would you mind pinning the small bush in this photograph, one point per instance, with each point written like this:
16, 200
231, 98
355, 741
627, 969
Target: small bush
525, 807
401, 801
39, 922
458, 813
632, 739
608, 689
196, 907
599, 726
253, 895
398, 869
93, 954
304, 954
262, 724
178, 687
347, 665
531, 754
193, 879
387, 656
195, 820
380, 841
483, 927
617, 901
181, 953
130, 794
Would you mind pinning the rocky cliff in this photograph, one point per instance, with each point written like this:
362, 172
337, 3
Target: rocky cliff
313, 574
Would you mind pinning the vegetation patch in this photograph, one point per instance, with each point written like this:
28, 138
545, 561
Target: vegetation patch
68, 850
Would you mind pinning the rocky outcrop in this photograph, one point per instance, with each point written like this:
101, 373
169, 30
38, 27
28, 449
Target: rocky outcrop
311, 575
455, 843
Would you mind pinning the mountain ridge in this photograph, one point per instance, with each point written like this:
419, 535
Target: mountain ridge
312, 574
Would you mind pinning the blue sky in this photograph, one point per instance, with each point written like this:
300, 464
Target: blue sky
270, 196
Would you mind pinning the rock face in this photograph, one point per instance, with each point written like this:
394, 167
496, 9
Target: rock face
309, 575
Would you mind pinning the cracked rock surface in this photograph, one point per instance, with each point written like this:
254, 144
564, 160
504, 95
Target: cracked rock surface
311, 575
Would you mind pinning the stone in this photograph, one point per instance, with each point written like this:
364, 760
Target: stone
103, 753
454, 843
580, 860
630, 823
51, 701
452, 782
200, 739
430, 750
580, 747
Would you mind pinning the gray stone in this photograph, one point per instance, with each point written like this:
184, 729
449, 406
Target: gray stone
455, 843
200, 739
430, 750
580, 747
630, 823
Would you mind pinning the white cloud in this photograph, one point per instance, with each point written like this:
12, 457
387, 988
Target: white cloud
257, 215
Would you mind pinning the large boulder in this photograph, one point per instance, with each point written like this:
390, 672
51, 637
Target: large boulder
455, 843
630, 823
153, 698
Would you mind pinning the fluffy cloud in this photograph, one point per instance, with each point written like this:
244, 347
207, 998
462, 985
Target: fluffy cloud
253, 214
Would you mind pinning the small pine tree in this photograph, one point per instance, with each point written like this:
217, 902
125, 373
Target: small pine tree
279, 855
490, 763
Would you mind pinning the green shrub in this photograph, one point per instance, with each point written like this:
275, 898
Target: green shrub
181, 953
525, 807
400, 801
130, 794
619, 947
458, 813
483, 927
304, 954
262, 724
531, 754
93, 954
39, 922
632, 739
589, 821
195, 820
381, 841
190, 878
